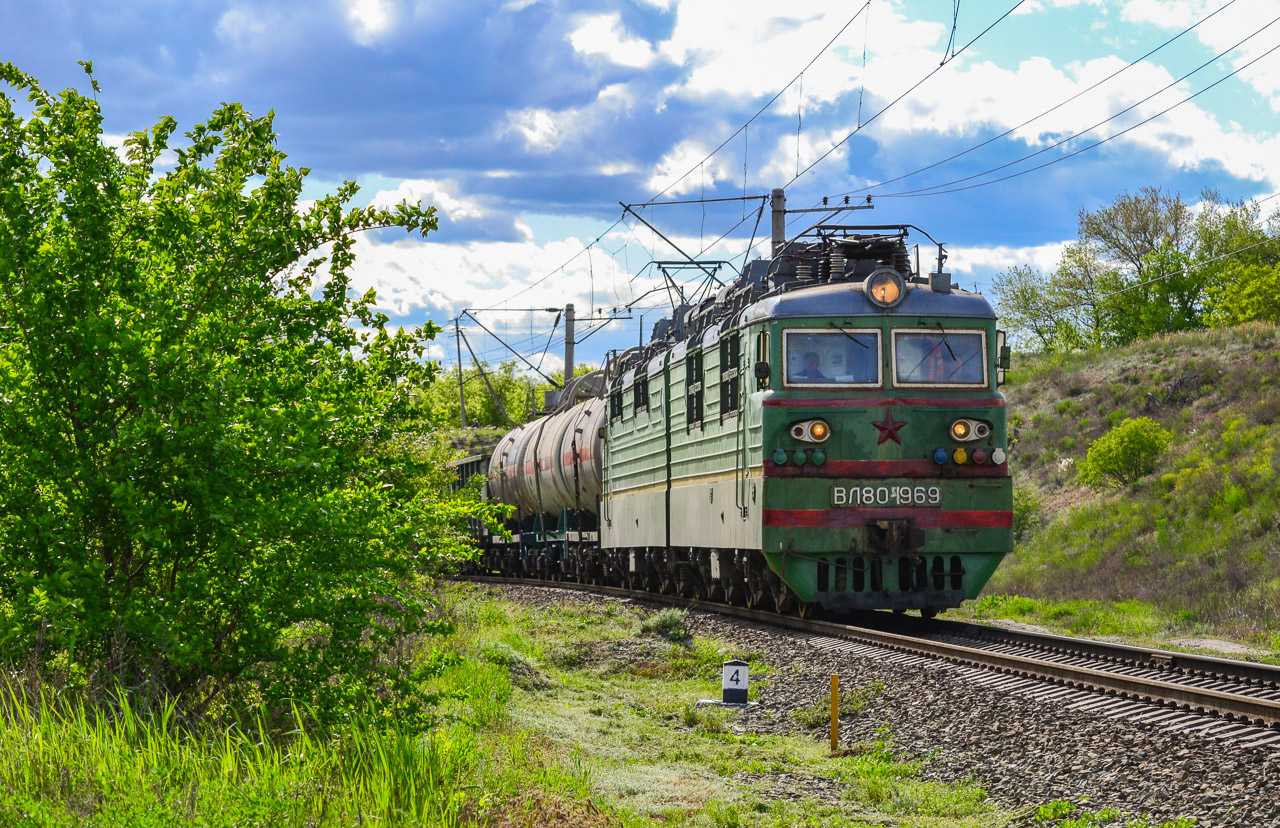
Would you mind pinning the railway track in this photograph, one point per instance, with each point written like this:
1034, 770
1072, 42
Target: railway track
1224, 699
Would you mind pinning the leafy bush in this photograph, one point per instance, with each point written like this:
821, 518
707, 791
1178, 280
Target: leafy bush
1027, 515
204, 483
1125, 454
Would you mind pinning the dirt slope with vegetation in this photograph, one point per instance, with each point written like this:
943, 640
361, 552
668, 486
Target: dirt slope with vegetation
1198, 538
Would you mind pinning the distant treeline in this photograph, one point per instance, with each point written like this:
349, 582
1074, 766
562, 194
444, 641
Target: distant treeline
496, 395
1147, 264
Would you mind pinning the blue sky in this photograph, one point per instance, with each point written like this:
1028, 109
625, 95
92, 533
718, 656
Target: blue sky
526, 122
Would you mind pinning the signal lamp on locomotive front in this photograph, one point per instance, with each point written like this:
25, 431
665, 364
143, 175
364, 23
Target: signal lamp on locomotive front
885, 287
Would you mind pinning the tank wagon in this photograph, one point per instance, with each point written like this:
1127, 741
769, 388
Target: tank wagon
825, 432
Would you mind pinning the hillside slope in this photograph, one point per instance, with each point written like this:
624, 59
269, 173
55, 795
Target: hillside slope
1200, 537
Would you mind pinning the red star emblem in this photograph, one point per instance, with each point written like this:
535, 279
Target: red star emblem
889, 429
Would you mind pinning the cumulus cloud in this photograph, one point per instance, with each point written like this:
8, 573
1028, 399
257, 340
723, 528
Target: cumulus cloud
972, 261
369, 20
605, 37
669, 174
461, 216
248, 26
1221, 32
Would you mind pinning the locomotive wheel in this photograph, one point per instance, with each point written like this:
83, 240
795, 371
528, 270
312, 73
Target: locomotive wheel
758, 599
784, 599
928, 614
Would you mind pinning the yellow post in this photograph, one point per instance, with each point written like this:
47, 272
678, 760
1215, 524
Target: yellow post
835, 712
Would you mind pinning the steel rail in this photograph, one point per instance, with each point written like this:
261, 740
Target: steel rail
1232, 706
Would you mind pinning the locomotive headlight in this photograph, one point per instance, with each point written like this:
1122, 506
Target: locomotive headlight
965, 430
811, 431
884, 287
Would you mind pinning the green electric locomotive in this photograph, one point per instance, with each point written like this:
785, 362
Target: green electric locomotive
824, 433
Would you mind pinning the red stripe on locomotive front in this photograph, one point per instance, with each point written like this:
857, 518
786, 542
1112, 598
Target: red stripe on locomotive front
881, 468
854, 518
885, 402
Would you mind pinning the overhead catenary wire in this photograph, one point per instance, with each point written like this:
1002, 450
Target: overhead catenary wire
911, 89
947, 186
744, 128
1046, 112
708, 157
942, 189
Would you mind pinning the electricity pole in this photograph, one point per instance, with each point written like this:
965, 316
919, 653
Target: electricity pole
568, 343
462, 394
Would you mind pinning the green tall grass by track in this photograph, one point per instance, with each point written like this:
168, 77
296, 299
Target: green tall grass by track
61, 761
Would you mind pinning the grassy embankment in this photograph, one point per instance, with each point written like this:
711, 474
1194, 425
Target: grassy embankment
556, 715
1192, 549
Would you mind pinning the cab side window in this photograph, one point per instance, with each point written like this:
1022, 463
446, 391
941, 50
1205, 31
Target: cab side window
693, 393
730, 371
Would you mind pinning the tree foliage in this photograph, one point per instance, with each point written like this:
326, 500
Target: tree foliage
1144, 265
201, 485
506, 384
1125, 454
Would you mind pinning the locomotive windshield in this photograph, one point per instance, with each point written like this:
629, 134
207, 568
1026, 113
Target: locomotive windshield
938, 357
832, 358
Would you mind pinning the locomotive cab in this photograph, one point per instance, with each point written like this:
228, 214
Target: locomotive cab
884, 446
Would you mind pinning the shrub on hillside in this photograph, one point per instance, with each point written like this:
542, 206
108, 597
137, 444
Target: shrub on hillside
1125, 454
1027, 515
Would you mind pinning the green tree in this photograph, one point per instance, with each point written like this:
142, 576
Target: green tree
201, 484
506, 383
1239, 255
1145, 241
1125, 454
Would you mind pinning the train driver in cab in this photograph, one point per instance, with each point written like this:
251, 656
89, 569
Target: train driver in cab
812, 370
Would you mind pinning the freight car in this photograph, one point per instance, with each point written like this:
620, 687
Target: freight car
823, 433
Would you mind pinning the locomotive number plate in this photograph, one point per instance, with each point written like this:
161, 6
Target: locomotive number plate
854, 496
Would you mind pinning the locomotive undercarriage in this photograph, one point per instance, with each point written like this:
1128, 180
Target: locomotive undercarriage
923, 582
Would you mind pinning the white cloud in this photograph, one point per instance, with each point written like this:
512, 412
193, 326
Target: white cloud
976, 260
604, 35
248, 26
540, 128
545, 130
368, 20
465, 213
758, 46
1221, 32
686, 156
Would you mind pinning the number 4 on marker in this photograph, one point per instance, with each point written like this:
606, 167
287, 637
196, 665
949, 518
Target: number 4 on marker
734, 678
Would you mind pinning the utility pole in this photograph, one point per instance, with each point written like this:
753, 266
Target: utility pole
779, 216
568, 343
462, 394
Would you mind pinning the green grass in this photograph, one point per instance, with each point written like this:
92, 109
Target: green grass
1193, 547
61, 761
667, 623
656, 758
558, 715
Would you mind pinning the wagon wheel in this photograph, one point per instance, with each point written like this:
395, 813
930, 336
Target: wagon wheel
928, 613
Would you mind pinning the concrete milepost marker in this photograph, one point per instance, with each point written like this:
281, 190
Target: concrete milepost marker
735, 682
